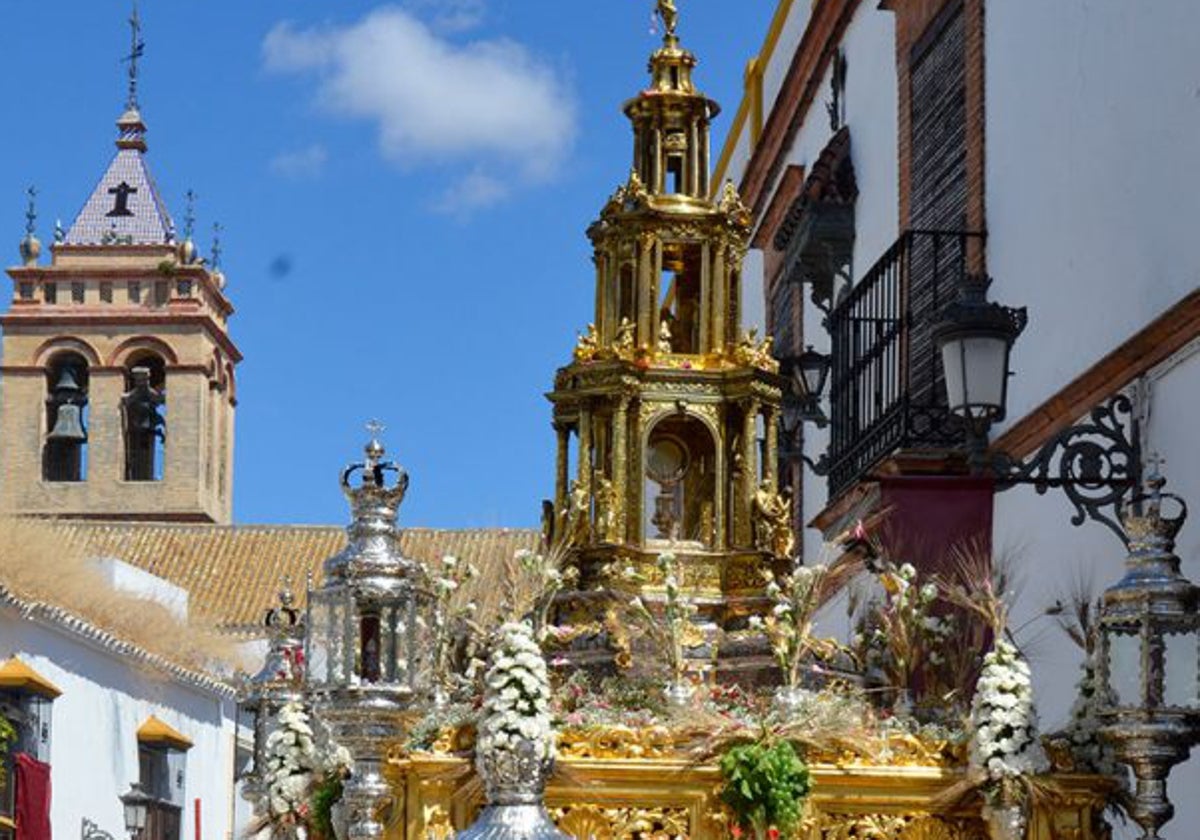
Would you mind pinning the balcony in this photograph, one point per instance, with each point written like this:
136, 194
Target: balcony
886, 391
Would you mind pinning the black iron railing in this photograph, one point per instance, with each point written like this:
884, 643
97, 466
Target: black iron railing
886, 390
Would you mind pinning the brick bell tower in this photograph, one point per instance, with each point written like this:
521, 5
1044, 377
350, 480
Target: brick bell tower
666, 416
117, 385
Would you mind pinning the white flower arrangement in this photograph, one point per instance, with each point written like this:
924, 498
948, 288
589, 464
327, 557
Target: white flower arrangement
516, 707
789, 626
297, 759
1091, 753
1004, 728
670, 633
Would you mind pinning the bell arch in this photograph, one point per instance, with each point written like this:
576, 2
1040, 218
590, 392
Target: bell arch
139, 346
64, 444
54, 347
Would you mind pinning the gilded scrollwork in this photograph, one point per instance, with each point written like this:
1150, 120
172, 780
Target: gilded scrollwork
623, 822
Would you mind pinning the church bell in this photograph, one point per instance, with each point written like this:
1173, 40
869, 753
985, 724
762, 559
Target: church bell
68, 420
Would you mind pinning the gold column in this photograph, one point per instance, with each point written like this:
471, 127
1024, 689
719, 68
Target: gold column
720, 285
693, 185
706, 303
602, 308
620, 465
647, 305
749, 469
771, 467
585, 447
561, 466
656, 171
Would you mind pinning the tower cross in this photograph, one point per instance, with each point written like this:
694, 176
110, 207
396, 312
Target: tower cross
136, 49
189, 217
121, 191
31, 211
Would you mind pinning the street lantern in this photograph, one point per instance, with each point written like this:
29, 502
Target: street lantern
137, 807
368, 638
809, 373
975, 338
1150, 655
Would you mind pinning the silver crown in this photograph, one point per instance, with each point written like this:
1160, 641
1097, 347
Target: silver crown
1143, 518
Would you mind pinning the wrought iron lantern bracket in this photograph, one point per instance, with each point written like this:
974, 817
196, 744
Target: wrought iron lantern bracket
1096, 463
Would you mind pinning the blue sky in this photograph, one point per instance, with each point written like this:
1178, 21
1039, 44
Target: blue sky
404, 190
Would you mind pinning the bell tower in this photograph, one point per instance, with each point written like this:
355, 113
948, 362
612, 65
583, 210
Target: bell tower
666, 415
117, 386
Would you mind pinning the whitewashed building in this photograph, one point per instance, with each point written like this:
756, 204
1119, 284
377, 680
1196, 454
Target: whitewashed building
887, 148
100, 714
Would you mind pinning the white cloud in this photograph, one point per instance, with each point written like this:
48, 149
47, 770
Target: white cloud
451, 15
472, 192
488, 103
300, 163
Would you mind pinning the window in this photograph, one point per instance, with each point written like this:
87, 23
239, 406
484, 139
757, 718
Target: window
78, 292
162, 293
162, 765
25, 702
64, 454
50, 293
183, 288
675, 174
142, 413
26, 291
106, 290
160, 772
135, 291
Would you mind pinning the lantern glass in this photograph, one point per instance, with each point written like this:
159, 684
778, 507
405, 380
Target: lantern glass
1182, 663
135, 806
810, 373
1125, 667
976, 372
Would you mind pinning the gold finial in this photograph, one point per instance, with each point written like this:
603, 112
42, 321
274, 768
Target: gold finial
669, 15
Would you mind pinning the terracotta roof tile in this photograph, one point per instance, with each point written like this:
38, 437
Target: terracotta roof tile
233, 573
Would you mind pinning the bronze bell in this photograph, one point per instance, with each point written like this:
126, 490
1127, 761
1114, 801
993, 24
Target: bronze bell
68, 425
68, 420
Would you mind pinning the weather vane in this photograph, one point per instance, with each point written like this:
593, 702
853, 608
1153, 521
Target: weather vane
216, 245
189, 216
136, 49
375, 429
31, 211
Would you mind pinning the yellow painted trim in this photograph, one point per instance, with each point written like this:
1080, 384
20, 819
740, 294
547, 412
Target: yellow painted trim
15, 674
154, 731
753, 91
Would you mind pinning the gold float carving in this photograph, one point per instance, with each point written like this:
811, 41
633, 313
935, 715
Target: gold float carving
639, 783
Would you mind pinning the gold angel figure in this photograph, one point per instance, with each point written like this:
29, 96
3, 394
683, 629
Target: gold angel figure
669, 15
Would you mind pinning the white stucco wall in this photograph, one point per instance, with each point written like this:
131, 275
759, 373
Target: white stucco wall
1093, 188
93, 751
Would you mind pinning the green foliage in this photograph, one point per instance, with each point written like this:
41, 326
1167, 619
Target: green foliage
765, 783
327, 794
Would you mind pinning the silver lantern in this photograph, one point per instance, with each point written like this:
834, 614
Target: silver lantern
1150, 655
280, 681
368, 638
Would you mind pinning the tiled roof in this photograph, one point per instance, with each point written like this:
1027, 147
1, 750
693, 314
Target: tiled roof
233, 573
72, 623
146, 220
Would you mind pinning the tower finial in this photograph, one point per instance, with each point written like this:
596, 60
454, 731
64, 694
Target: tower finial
189, 216
669, 15
136, 48
30, 247
215, 256
31, 211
